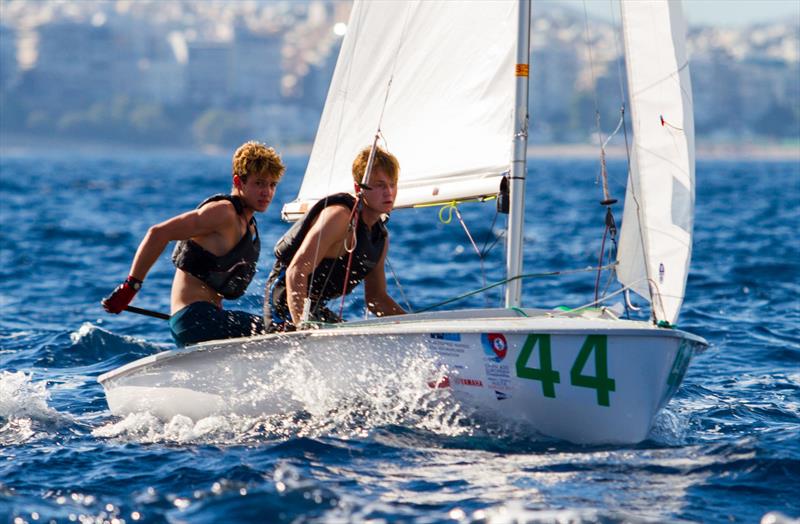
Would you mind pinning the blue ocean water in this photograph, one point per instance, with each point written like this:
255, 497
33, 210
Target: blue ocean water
726, 449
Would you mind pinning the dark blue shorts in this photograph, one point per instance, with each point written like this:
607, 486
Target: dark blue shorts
203, 321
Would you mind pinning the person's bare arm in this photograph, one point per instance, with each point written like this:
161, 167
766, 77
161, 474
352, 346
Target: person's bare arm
378, 300
329, 229
204, 221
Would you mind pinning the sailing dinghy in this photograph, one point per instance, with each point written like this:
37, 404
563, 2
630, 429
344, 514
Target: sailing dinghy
446, 84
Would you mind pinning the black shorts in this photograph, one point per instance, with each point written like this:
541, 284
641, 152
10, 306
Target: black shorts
202, 321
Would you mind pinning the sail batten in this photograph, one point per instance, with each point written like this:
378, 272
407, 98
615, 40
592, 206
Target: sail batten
656, 237
447, 114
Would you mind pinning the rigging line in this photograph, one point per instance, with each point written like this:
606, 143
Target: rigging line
466, 230
611, 256
355, 214
590, 304
474, 245
600, 263
485, 251
603, 168
591, 69
399, 286
491, 234
620, 79
603, 299
616, 130
453, 208
619, 55
608, 283
507, 280
497, 239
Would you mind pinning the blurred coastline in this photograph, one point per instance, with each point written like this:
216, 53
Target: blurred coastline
738, 151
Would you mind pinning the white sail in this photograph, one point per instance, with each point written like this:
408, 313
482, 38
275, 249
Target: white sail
656, 237
448, 116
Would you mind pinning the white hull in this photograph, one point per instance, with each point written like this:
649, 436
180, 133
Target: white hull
482, 354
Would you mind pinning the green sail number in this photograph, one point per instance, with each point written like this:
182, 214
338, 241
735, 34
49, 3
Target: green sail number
600, 381
544, 372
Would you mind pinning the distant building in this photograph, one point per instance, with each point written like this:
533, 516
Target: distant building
256, 67
161, 73
75, 65
163, 81
763, 86
8, 58
208, 73
716, 94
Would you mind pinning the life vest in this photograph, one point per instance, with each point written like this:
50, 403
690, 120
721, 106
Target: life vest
228, 274
329, 275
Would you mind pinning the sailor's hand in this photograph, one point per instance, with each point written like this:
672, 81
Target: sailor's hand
119, 299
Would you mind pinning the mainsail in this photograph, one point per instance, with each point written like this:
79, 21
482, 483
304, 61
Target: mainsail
437, 77
656, 238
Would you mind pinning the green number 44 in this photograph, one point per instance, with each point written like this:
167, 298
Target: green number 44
600, 381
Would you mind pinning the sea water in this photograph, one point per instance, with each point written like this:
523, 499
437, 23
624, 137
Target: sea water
726, 449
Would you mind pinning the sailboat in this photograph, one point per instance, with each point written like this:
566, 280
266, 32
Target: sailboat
446, 85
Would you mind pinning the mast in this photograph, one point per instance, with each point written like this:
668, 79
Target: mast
516, 215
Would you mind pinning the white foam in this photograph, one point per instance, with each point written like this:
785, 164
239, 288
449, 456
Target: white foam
375, 397
21, 397
23, 404
670, 427
86, 330
313, 404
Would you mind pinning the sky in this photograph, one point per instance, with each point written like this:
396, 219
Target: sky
734, 13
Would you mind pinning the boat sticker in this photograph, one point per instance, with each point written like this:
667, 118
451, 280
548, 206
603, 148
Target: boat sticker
453, 337
447, 344
498, 372
469, 382
495, 346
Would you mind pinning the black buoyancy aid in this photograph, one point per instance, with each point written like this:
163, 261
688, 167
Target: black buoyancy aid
228, 274
329, 275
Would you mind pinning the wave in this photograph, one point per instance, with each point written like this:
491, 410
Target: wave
91, 345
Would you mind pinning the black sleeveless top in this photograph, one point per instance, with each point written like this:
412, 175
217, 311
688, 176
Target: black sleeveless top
330, 274
229, 274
